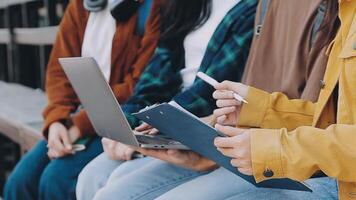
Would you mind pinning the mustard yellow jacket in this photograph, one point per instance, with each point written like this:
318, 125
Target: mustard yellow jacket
313, 139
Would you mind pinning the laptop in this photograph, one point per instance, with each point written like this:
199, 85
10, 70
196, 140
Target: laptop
103, 109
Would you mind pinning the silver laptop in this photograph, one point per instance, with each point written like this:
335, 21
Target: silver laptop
103, 108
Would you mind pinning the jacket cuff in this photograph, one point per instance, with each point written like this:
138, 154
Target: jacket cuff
266, 154
253, 113
82, 121
56, 115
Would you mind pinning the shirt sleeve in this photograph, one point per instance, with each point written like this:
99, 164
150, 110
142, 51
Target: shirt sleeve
62, 99
158, 83
265, 110
122, 91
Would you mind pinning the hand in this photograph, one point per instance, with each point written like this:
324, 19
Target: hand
116, 150
186, 159
209, 120
237, 146
145, 128
229, 107
60, 140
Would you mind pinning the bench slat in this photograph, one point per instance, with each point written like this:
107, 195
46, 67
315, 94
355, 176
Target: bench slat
4, 36
36, 36
21, 113
6, 3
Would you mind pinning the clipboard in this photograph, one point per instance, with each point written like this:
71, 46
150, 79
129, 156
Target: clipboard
183, 126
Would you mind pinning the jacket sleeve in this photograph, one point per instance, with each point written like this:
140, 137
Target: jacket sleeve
265, 110
302, 152
62, 100
123, 90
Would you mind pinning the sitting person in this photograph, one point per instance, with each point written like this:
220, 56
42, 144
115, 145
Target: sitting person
199, 35
296, 72
297, 139
307, 68
122, 46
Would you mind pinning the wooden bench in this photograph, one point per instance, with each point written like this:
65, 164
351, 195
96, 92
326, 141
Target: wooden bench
20, 106
20, 113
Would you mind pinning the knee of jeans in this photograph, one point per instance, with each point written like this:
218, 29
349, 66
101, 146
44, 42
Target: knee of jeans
87, 181
49, 181
103, 194
19, 180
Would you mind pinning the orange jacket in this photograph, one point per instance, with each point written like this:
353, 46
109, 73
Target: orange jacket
130, 54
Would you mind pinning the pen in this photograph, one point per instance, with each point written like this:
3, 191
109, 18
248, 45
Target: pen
213, 83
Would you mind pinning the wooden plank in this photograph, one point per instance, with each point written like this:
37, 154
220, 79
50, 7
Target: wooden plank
6, 3
4, 36
21, 113
36, 36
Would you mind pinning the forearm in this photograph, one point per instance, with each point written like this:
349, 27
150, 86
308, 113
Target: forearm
275, 110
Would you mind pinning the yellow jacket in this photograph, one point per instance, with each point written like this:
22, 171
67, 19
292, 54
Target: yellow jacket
315, 137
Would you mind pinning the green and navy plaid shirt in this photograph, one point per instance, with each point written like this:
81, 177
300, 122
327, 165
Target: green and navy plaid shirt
224, 59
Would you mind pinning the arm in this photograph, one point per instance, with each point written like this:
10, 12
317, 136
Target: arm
62, 99
123, 90
228, 64
158, 83
302, 152
275, 110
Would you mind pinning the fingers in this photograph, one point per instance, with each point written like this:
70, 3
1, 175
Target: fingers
232, 86
74, 134
223, 94
227, 103
109, 147
247, 172
52, 154
224, 111
143, 127
243, 166
128, 153
67, 144
227, 115
229, 130
227, 142
159, 154
57, 145
153, 131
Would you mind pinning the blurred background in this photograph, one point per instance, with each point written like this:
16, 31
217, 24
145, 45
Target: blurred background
27, 31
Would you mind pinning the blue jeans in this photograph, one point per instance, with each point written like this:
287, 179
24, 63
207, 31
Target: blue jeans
222, 184
100, 172
36, 177
147, 181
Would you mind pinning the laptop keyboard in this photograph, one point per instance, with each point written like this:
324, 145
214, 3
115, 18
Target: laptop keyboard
149, 139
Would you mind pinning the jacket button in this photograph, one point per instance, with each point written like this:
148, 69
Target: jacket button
268, 173
322, 84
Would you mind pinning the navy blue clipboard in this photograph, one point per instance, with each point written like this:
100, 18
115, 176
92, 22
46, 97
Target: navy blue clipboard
198, 136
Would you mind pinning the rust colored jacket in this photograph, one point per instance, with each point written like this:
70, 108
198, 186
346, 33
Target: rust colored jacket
130, 54
313, 139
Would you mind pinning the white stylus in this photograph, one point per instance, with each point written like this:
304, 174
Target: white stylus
213, 82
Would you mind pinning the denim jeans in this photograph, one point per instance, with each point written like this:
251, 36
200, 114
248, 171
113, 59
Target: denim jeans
146, 182
100, 172
36, 177
222, 184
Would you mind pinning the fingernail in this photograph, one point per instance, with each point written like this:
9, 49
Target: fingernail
69, 147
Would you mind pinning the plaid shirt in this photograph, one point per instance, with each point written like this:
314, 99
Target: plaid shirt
224, 59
